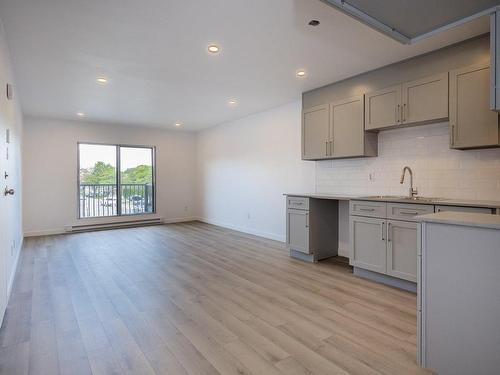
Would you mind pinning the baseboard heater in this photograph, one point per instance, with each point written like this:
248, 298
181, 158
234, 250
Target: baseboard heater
117, 225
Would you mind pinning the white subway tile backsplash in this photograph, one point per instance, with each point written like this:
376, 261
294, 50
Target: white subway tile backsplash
438, 171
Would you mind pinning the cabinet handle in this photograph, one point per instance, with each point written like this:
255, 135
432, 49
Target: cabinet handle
307, 220
326, 147
404, 112
367, 209
389, 232
382, 231
399, 113
408, 213
331, 147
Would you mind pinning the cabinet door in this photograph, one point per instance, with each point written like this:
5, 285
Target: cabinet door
472, 123
297, 229
383, 108
402, 250
425, 99
368, 243
347, 127
315, 132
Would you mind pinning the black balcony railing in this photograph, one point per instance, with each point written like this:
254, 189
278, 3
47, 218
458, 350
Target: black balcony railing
102, 199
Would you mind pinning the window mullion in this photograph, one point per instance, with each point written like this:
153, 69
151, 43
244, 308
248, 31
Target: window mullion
118, 183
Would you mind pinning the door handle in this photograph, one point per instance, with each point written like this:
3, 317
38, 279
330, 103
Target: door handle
8, 191
382, 231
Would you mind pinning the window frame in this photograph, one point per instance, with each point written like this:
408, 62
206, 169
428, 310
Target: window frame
117, 146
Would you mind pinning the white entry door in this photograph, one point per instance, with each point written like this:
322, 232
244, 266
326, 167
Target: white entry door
7, 206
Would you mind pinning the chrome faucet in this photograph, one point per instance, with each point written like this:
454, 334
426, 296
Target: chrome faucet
413, 191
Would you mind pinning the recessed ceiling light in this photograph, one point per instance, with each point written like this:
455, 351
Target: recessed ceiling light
80, 114
178, 124
301, 73
213, 48
102, 80
232, 102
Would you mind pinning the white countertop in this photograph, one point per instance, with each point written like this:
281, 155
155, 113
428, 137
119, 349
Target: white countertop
464, 219
436, 201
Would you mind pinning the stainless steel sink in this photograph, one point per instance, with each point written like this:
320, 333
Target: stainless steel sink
402, 198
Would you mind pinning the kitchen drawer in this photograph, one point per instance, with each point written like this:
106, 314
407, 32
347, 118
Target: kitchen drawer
407, 212
298, 203
368, 208
479, 210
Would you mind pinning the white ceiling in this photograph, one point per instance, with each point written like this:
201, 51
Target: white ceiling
154, 54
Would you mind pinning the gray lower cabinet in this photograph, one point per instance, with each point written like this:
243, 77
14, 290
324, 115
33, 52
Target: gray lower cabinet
472, 123
368, 243
459, 299
298, 230
311, 228
402, 249
384, 237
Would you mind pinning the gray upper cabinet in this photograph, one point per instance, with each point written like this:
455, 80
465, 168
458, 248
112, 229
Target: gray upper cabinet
383, 108
336, 130
402, 250
472, 123
420, 101
348, 138
316, 133
425, 100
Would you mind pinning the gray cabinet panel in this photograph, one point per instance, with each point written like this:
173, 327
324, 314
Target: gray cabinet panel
402, 250
299, 203
472, 123
298, 230
316, 132
368, 208
368, 243
408, 212
480, 210
383, 108
347, 127
425, 100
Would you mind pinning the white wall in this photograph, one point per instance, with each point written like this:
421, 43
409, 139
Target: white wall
245, 166
10, 206
50, 170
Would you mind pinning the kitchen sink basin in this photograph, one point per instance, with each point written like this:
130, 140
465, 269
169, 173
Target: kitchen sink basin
403, 198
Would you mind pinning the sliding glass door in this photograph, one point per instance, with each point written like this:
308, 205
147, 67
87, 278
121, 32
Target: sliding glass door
115, 180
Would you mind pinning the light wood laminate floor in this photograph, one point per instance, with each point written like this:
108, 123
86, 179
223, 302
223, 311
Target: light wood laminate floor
197, 299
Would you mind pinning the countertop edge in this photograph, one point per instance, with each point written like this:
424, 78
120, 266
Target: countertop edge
476, 220
437, 202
